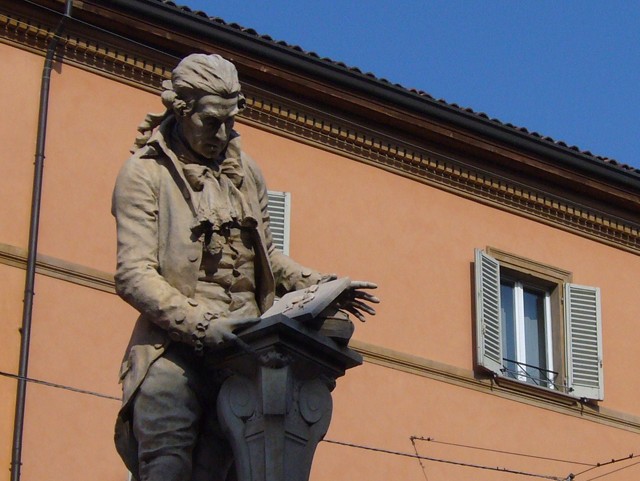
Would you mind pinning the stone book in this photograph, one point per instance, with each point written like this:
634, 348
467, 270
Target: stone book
317, 307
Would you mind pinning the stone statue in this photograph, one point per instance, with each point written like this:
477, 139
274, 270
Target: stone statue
196, 259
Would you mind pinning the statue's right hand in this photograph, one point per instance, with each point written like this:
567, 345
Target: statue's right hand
222, 330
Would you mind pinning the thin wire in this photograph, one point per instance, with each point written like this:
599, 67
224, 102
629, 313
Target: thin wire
384, 451
369, 448
415, 448
59, 386
103, 30
504, 452
446, 461
614, 471
413, 438
613, 461
405, 142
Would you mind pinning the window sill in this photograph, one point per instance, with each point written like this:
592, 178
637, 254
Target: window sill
539, 392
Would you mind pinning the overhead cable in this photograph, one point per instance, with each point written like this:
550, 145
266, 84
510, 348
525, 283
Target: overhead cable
613, 461
447, 461
415, 448
614, 471
511, 453
59, 386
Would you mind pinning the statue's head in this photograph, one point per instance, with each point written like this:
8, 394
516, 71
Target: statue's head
204, 95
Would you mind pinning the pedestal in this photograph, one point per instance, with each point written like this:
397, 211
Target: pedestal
275, 405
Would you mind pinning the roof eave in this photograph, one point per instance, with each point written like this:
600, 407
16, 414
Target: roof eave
344, 77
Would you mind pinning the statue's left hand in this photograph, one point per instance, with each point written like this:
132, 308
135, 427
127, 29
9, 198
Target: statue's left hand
354, 299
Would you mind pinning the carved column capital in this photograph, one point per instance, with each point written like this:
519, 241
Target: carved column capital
276, 405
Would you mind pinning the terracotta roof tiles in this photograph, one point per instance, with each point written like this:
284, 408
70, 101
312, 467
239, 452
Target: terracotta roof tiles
417, 92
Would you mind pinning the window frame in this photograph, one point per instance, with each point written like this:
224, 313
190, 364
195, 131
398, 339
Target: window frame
579, 375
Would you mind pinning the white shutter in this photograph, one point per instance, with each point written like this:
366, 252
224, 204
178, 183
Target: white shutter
584, 341
279, 213
488, 323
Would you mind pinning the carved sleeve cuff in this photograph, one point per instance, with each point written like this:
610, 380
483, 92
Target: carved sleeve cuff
190, 324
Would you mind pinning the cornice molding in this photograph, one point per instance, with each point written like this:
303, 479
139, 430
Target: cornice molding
307, 124
89, 54
409, 160
388, 358
59, 269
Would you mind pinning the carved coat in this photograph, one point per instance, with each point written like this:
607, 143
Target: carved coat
159, 259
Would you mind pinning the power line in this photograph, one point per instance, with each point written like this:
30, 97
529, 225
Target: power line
613, 461
447, 461
415, 448
572, 476
103, 30
417, 456
511, 453
614, 471
59, 386
413, 438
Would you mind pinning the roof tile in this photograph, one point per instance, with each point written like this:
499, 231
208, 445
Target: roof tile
420, 93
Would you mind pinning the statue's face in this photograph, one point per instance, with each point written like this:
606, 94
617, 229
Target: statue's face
207, 127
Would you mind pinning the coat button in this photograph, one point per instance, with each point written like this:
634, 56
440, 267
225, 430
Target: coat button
192, 302
175, 336
193, 257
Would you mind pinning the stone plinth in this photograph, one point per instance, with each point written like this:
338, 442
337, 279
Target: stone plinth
275, 405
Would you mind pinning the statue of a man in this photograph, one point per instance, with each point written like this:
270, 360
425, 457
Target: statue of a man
196, 259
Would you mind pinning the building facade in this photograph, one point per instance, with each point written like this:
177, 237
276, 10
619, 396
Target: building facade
507, 263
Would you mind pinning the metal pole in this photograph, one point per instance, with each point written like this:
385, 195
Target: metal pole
27, 310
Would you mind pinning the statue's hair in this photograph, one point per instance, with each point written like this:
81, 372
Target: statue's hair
196, 75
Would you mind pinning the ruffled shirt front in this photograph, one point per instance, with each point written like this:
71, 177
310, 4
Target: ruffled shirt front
226, 281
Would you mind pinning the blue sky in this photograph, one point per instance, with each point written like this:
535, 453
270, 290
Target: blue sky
566, 69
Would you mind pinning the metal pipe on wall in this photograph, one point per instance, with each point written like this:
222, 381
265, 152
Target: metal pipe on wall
27, 309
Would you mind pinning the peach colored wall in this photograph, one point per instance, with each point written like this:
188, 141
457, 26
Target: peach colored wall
11, 292
382, 408
18, 121
92, 126
78, 339
78, 334
417, 242
348, 217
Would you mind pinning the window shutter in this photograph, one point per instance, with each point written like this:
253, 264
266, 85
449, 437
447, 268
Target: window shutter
584, 341
279, 214
488, 322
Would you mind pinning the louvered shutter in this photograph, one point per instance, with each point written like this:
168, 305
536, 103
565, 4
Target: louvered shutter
584, 341
279, 212
488, 323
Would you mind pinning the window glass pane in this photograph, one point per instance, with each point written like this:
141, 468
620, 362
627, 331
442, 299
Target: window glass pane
535, 337
508, 326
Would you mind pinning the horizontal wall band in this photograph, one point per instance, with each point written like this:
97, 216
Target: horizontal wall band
356, 142
305, 124
59, 269
512, 390
388, 358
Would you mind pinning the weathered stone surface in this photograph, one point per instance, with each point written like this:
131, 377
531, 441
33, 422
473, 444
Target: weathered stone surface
195, 258
276, 404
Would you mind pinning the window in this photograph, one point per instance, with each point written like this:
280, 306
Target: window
279, 213
534, 326
526, 332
